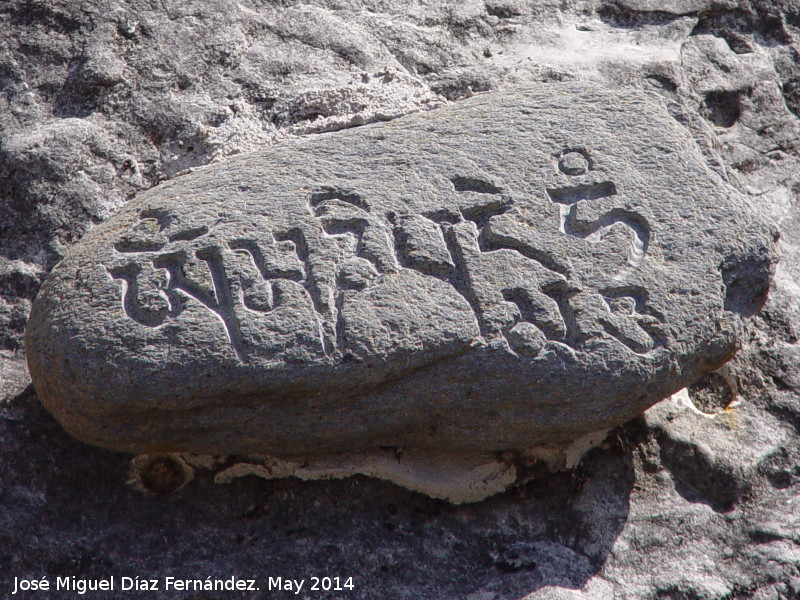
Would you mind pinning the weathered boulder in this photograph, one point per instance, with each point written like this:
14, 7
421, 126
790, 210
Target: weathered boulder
513, 270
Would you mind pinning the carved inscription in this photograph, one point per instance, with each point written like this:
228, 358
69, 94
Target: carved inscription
520, 294
577, 163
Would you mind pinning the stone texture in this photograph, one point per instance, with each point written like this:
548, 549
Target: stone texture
559, 252
204, 80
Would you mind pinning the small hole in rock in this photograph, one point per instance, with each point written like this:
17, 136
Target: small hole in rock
711, 393
163, 475
723, 108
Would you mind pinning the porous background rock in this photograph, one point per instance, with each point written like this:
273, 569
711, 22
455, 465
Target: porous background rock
697, 499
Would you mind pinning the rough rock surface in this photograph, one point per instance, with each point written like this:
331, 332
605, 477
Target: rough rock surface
513, 270
114, 97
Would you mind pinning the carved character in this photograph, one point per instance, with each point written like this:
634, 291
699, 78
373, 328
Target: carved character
572, 199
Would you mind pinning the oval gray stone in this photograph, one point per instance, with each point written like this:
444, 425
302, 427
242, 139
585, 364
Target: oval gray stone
516, 269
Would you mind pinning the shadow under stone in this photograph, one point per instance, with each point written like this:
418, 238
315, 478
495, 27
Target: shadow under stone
65, 510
